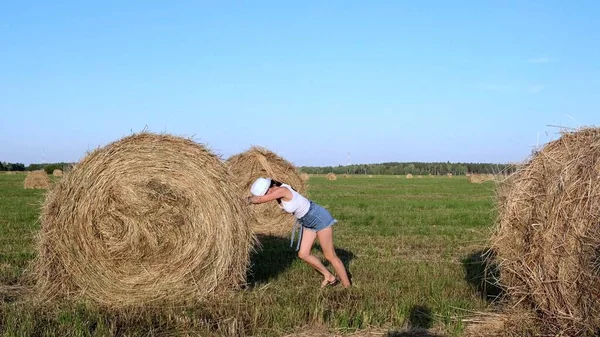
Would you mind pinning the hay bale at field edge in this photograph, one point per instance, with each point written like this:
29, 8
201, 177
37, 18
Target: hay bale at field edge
331, 176
57, 173
37, 180
145, 219
547, 238
257, 162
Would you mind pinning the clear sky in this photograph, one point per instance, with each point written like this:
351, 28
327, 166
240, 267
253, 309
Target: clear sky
473, 81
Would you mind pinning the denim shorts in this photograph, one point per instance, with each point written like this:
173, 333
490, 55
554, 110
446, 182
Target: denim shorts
317, 218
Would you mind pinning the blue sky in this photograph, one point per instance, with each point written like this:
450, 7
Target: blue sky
473, 81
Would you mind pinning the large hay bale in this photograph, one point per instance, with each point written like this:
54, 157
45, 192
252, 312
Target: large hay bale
257, 162
57, 173
547, 238
37, 180
331, 176
145, 219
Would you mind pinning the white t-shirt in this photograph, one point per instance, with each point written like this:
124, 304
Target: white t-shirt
298, 206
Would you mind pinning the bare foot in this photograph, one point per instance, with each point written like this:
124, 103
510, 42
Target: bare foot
330, 281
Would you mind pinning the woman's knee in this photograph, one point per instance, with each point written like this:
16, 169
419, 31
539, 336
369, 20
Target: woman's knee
303, 255
330, 256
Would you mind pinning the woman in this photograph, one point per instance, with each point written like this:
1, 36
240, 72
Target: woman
315, 220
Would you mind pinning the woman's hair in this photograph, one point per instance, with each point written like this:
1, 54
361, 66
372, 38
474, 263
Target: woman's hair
275, 183
278, 184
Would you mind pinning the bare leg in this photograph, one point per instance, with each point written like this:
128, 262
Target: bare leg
326, 241
308, 238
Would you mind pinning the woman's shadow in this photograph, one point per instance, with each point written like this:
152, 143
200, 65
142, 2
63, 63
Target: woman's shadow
274, 255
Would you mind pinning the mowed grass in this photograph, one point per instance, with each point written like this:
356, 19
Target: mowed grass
412, 248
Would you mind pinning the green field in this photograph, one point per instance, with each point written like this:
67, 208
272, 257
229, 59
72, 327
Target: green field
412, 247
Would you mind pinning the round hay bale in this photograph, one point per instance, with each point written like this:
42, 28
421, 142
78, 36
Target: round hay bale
257, 162
420, 176
547, 238
449, 175
57, 173
331, 176
37, 180
147, 218
481, 178
304, 176
409, 176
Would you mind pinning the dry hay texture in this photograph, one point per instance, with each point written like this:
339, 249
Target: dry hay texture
304, 176
409, 176
331, 176
37, 180
147, 218
57, 173
547, 238
257, 162
515, 322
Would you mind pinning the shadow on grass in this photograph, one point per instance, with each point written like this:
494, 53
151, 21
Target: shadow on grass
412, 333
482, 274
420, 319
275, 256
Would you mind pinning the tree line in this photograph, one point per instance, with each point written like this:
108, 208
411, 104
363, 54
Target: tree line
392, 168
48, 167
415, 168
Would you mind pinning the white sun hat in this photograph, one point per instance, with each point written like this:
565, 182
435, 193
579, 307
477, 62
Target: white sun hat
260, 186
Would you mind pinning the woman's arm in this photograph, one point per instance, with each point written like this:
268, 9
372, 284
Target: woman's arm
278, 192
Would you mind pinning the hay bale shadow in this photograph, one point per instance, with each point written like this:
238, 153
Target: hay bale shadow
482, 274
274, 256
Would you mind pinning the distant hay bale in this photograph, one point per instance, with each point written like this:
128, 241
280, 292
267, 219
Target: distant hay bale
481, 178
304, 176
420, 176
57, 173
331, 176
409, 176
449, 175
10, 172
37, 180
145, 219
547, 239
346, 176
257, 162
370, 176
